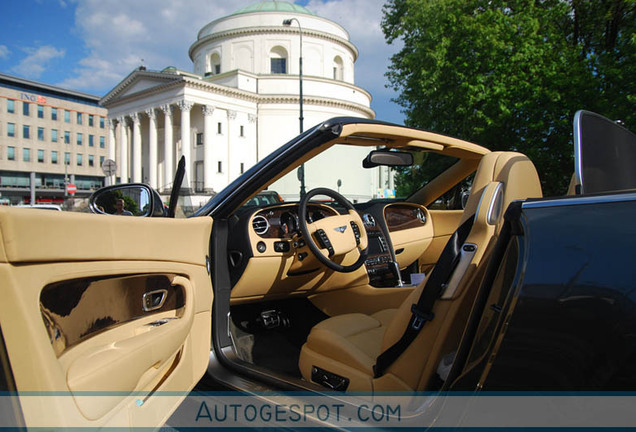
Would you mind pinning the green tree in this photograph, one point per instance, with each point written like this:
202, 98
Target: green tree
510, 75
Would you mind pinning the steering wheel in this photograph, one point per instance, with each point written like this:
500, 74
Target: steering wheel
334, 236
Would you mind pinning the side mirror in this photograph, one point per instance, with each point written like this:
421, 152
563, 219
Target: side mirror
387, 158
133, 199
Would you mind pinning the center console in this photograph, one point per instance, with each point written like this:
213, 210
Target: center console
379, 260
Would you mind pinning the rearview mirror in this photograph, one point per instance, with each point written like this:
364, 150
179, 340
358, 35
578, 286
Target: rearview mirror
134, 199
387, 158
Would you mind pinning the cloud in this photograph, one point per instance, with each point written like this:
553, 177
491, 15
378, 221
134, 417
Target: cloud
37, 60
4, 52
117, 34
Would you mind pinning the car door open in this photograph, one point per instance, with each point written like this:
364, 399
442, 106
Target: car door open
101, 315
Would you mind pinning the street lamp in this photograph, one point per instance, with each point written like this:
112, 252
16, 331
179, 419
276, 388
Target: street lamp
301, 170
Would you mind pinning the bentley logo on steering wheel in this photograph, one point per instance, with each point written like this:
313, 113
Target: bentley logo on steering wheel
341, 229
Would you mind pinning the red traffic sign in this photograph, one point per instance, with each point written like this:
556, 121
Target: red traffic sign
71, 188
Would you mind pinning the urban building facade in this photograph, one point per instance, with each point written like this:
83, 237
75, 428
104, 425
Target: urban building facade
49, 137
240, 102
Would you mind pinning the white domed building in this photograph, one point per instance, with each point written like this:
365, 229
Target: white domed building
240, 102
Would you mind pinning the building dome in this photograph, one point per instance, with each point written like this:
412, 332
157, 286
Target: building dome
254, 37
274, 6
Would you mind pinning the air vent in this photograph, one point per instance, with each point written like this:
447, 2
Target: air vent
419, 213
368, 220
260, 225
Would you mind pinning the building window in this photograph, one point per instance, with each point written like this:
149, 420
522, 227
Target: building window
40, 134
54, 157
67, 158
101, 160
67, 137
25, 108
279, 65
26, 131
219, 128
79, 159
242, 131
91, 139
67, 116
53, 135
11, 129
91, 160
40, 111
278, 60
242, 167
53, 113
79, 118
10, 106
26, 155
40, 156
79, 139
90, 120
11, 153
101, 142
338, 68
199, 139
215, 64
101, 122
219, 167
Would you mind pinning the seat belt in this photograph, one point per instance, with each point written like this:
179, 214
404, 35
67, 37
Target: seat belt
422, 311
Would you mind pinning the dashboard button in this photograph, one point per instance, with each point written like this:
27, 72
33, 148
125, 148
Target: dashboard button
281, 246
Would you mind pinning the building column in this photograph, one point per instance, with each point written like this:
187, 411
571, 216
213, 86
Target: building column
110, 180
251, 118
32, 187
168, 146
123, 151
231, 171
152, 148
136, 148
186, 107
208, 156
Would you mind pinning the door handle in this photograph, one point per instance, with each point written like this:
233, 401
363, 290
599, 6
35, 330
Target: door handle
154, 300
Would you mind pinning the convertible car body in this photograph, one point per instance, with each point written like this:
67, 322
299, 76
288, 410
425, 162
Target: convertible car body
500, 289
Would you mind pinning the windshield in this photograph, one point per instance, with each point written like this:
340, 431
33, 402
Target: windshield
340, 168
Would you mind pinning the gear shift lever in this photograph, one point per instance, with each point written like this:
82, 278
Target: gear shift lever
395, 269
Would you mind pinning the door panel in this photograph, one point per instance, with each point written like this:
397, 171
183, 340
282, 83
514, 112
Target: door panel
96, 303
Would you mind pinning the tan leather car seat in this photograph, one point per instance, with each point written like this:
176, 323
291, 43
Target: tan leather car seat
347, 346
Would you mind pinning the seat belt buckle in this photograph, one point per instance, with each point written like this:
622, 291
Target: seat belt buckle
420, 317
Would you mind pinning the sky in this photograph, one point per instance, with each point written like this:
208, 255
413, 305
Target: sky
91, 45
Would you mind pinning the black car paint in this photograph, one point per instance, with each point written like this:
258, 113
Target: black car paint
568, 322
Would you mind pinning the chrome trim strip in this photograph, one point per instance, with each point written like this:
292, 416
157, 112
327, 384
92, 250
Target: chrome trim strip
496, 204
580, 200
578, 163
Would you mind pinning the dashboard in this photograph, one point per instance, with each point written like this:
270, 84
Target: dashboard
282, 221
267, 248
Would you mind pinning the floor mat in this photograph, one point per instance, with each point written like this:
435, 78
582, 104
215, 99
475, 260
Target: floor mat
276, 348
